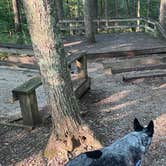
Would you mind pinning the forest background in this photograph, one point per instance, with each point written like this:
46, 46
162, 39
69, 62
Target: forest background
12, 13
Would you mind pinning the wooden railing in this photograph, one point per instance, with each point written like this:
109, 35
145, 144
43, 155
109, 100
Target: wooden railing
154, 27
106, 25
77, 26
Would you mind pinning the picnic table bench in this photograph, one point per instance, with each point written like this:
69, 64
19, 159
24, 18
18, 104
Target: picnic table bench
26, 93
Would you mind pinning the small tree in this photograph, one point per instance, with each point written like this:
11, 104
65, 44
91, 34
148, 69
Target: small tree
162, 16
88, 20
59, 8
17, 18
67, 131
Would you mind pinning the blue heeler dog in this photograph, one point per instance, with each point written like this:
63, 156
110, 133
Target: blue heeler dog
126, 151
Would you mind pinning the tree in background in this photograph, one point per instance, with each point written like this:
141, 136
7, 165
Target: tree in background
79, 5
59, 8
162, 17
88, 20
94, 9
68, 131
16, 13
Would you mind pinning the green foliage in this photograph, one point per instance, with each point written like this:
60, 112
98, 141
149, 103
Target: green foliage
6, 21
151, 10
72, 9
7, 28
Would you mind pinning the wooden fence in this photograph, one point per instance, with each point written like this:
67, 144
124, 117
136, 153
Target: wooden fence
108, 25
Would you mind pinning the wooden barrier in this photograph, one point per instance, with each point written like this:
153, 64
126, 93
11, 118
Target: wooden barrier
146, 24
26, 94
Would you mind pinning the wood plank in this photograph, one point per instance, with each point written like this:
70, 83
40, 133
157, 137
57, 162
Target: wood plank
81, 88
70, 59
29, 109
75, 56
28, 87
126, 53
137, 64
145, 74
149, 67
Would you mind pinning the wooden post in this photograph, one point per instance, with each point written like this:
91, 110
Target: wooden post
81, 64
29, 109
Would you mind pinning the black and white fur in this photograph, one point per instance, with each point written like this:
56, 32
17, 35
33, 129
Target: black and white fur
127, 151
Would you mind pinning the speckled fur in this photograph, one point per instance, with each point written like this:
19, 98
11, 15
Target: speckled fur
126, 151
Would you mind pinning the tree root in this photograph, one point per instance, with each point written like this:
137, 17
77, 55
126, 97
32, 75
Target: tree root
61, 150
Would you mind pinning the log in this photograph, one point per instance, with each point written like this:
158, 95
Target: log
137, 64
145, 74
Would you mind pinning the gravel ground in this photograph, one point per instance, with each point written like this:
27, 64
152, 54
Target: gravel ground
110, 108
11, 77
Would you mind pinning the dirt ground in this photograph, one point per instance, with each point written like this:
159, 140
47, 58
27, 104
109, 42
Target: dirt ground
109, 107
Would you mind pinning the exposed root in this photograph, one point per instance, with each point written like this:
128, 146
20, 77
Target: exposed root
71, 145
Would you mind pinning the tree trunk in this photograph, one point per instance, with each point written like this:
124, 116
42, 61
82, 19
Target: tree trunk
94, 9
162, 17
59, 8
79, 9
16, 12
116, 9
68, 12
133, 8
138, 15
148, 8
106, 9
50, 55
88, 20
128, 8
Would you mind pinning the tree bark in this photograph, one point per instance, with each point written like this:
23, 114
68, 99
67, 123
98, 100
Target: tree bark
128, 8
16, 12
94, 9
59, 8
78, 9
138, 15
51, 58
88, 20
133, 8
67, 130
116, 8
106, 9
148, 8
162, 17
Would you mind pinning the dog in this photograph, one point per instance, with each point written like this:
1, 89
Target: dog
127, 151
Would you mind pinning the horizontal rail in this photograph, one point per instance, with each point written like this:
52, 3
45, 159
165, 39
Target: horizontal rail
122, 26
105, 24
103, 20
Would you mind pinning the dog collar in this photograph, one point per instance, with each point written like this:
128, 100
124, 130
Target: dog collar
138, 163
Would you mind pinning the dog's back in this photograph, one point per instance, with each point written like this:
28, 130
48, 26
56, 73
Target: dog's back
126, 151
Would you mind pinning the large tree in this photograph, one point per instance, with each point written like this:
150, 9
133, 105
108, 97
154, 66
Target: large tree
162, 16
67, 131
88, 20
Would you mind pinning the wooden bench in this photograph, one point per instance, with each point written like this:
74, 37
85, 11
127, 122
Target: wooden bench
26, 93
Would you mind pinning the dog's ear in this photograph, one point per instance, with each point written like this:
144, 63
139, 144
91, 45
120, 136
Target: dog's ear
150, 128
137, 126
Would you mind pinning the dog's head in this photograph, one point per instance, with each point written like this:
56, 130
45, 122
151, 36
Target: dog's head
145, 134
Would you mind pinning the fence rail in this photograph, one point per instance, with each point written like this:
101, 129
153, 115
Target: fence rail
134, 24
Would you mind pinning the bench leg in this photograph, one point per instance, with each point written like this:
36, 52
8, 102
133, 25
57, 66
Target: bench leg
82, 67
29, 109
